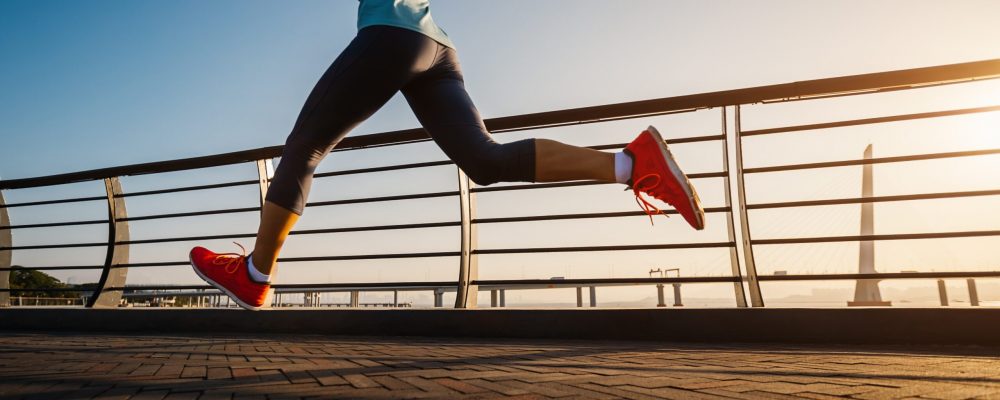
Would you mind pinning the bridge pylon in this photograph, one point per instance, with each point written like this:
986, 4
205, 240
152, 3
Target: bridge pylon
866, 291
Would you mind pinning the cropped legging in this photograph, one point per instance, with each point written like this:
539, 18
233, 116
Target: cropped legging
380, 61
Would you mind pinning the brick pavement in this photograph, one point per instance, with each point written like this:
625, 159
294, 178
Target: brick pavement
56, 366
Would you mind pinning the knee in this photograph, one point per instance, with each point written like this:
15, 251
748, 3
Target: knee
511, 162
484, 169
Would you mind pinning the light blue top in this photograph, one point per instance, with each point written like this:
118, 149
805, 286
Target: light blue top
414, 15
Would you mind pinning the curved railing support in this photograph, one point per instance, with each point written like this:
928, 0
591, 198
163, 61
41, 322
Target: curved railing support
6, 241
734, 257
468, 271
756, 299
117, 254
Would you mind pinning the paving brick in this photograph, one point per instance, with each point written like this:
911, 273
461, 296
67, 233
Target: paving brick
288, 366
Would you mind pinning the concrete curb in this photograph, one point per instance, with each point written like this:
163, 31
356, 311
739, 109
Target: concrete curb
979, 326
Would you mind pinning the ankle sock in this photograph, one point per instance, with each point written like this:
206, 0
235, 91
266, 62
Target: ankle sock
256, 275
623, 167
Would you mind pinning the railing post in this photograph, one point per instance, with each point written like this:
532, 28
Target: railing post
494, 298
503, 297
6, 241
734, 256
756, 300
593, 296
265, 172
579, 296
117, 254
468, 271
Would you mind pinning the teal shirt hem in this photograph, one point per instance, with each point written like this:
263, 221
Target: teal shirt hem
413, 15
443, 39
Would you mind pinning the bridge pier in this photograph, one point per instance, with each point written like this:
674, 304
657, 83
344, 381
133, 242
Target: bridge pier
438, 298
973, 293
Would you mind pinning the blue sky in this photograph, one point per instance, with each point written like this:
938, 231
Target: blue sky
112, 82
101, 83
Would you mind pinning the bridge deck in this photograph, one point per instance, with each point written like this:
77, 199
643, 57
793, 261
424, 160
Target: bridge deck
65, 365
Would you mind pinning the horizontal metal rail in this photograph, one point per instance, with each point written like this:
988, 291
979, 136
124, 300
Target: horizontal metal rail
369, 285
874, 199
883, 275
384, 286
54, 268
484, 189
855, 238
866, 121
881, 90
680, 140
382, 169
605, 248
187, 188
383, 198
377, 228
604, 281
191, 214
187, 239
529, 218
378, 256
47, 202
55, 246
55, 224
880, 160
153, 264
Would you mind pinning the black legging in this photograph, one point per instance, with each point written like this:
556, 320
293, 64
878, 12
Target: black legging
380, 61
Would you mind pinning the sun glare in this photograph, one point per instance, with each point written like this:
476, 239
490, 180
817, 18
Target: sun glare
984, 132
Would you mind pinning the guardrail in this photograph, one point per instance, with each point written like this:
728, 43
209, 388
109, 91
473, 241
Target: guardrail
744, 276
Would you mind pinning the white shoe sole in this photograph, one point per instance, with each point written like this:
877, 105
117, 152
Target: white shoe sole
689, 191
214, 284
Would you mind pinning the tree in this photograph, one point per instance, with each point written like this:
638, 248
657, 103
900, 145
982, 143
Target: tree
27, 279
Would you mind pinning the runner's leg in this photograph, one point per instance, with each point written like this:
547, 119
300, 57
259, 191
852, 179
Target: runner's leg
441, 103
379, 62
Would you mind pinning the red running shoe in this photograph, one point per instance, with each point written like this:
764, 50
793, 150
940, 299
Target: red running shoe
228, 272
655, 172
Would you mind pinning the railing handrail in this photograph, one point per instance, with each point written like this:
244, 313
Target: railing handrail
850, 84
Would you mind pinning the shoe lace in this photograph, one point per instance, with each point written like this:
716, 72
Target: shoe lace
641, 186
231, 261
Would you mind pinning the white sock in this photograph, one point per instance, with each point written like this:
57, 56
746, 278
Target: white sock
623, 167
256, 275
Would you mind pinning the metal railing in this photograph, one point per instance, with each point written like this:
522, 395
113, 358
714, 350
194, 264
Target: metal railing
730, 104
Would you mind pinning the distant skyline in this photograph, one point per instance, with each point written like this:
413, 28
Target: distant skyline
110, 82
